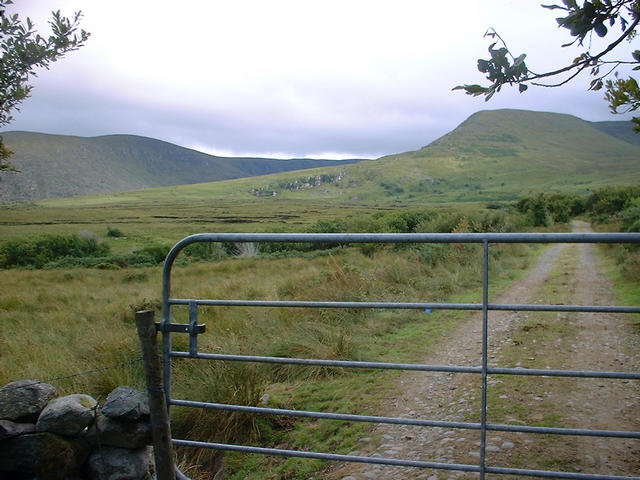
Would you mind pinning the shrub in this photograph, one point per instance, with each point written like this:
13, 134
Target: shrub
439, 223
114, 232
630, 217
538, 211
369, 249
543, 208
156, 252
203, 251
559, 208
37, 252
433, 253
103, 263
406, 222
489, 222
328, 226
611, 200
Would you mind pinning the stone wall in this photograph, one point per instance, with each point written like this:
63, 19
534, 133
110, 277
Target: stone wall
46, 437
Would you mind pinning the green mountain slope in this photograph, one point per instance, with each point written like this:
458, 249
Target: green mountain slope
621, 130
62, 166
499, 155
492, 156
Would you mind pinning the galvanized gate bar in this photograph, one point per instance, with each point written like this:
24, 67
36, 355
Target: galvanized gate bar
485, 356
409, 366
484, 370
330, 456
330, 363
580, 432
337, 238
549, 474
405, 305
564, 373
396, 462
347, 417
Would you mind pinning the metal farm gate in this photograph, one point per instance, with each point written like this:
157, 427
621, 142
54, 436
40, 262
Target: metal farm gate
193, 329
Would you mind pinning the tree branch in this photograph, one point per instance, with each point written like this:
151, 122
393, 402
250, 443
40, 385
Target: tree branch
584, 63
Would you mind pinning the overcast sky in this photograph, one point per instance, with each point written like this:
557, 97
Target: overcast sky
333, 79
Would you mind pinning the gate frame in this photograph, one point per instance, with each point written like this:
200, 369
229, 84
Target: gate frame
193, 329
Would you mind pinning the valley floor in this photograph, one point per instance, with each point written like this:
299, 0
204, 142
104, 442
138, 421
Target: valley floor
573, 341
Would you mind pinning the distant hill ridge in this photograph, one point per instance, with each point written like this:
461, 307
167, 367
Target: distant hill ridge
54, 166
498, 155
492, 155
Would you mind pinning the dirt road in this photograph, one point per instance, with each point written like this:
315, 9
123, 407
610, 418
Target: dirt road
564, 274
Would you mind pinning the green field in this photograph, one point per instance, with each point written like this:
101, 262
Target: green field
74, 326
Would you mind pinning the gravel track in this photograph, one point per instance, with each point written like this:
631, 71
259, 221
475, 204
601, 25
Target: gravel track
601, 342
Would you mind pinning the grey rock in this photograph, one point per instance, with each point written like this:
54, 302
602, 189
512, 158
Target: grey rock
112, 463
10, 429
107, 431
43, 455
22, 401
126, 403
67, 415
507, 445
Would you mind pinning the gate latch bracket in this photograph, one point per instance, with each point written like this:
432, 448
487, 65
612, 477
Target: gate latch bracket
193, 328
182, 328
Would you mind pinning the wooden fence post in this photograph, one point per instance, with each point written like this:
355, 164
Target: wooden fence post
160, 428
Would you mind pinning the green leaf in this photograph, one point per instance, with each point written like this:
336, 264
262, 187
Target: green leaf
600, 29
596, 84
519, 60
522, 87
553, 7
474, 90
483, 65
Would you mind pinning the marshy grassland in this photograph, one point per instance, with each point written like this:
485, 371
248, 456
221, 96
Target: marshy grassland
57, 323
74, 327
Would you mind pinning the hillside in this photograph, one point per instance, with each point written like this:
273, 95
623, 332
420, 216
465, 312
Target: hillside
498, 155
495, 155
508, 151
621, 130
62, 166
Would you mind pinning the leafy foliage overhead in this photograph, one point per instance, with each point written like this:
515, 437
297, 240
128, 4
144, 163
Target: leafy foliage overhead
22, 51
582, 21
